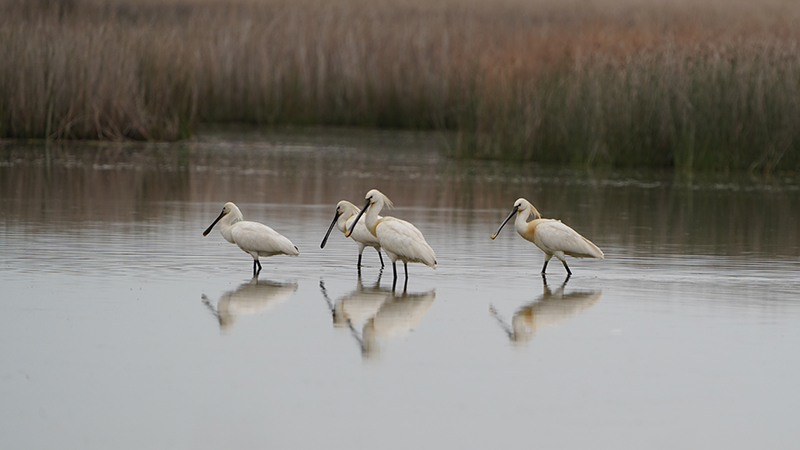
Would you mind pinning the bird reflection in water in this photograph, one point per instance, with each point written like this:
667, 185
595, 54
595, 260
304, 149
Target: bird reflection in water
549, 310
253, 297
373, 313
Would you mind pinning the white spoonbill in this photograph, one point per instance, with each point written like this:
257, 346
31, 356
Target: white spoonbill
254, 238
398, 238
550, 235
345, 215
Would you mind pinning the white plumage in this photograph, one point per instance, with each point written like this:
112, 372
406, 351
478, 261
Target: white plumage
346, 213
255, 239
399, 239
551, 236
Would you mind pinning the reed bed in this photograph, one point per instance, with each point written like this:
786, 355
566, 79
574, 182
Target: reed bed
704, 85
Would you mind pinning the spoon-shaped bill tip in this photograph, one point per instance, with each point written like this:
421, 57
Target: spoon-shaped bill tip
513, 211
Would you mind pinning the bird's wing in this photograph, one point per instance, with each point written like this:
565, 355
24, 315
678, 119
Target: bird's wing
553, 236
405, 240
257, 237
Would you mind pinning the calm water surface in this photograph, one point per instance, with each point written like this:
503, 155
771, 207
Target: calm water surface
123, 327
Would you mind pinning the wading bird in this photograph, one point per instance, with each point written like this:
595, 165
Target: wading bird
345, 215
398, 238
550, 235
254, 238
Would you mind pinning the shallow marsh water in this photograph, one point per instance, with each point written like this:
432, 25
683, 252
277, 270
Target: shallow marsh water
123, 327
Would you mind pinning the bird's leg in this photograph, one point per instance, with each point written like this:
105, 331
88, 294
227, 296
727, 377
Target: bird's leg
359, 261
405, 283
546, 260
569, 272
381, 257
256, 267
394, 280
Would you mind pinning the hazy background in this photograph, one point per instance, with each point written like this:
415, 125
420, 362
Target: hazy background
695, 85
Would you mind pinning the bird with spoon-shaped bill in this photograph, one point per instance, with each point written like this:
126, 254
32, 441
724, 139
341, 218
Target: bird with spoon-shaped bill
346, 213
255, 239
551, 236
399, 239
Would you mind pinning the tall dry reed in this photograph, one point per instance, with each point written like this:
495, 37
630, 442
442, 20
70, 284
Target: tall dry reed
712, 84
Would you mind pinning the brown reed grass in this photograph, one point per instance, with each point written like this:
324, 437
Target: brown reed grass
704, 84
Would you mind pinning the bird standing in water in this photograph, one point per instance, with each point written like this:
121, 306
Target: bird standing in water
345, 215
551, 236
399, 239
253, 238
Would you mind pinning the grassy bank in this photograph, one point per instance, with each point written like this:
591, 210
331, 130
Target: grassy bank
709, 85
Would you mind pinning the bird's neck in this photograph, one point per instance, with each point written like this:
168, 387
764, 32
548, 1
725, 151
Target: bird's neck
522, 219
226, 223
343, 220
371, 218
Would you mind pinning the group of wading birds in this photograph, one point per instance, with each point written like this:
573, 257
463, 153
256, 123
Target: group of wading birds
401, 240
